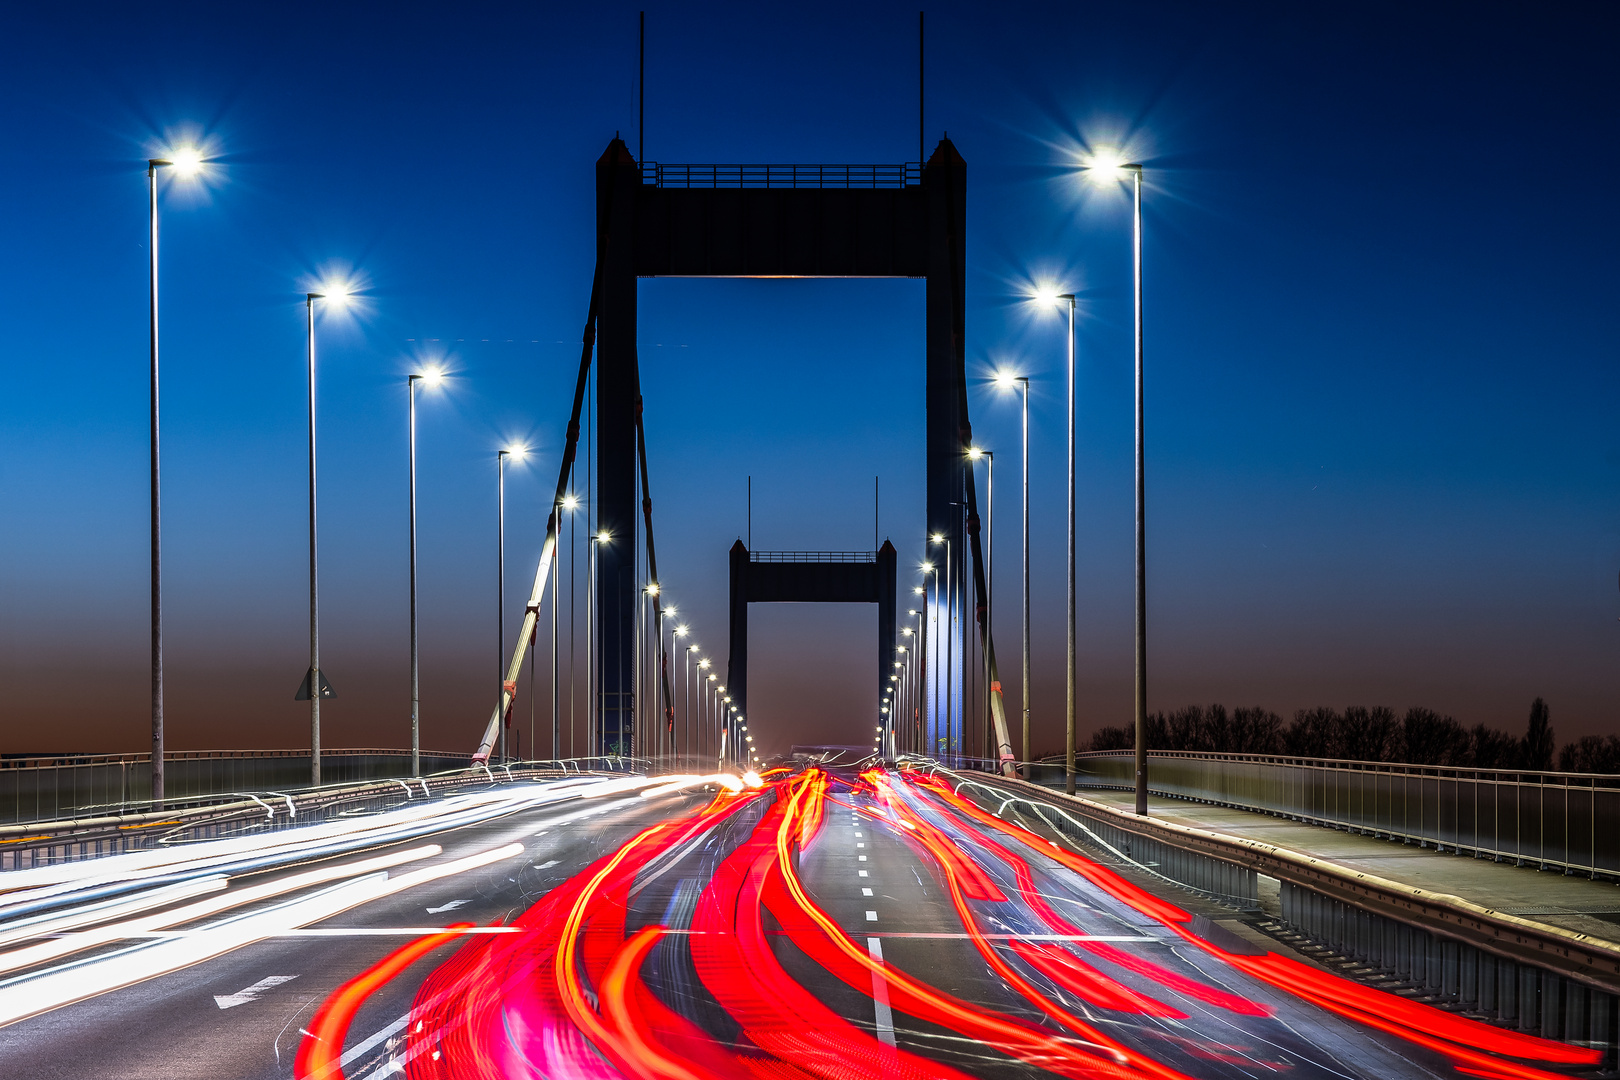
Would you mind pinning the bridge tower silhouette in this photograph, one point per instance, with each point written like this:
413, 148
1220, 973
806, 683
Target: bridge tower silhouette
660, 220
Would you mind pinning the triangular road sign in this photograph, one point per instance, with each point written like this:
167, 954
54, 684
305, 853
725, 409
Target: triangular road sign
303, 687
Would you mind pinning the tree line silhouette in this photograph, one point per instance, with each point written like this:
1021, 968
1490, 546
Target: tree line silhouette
1420, 737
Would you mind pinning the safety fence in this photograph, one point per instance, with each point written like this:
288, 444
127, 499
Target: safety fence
1526, 979
1555, 821
47, 788
92, 833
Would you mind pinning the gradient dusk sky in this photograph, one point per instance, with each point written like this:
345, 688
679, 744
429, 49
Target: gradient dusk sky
1381, 352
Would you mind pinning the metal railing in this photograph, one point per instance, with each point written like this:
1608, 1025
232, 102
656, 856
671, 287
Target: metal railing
812, 556
1552, 820
45, 788
94, 835
781, 176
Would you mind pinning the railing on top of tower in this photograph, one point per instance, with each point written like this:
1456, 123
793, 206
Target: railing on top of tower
657, 174
813, 556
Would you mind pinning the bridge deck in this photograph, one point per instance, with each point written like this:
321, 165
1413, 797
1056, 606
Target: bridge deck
1574, 903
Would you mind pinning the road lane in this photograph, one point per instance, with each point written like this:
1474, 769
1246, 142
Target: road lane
835, 926
171, 1026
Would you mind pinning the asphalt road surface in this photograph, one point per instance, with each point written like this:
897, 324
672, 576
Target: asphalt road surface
842, 925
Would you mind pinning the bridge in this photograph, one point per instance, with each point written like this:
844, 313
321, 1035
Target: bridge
796, 221
666, 906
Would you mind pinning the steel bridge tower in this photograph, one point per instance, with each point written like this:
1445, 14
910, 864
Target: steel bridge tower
658, 220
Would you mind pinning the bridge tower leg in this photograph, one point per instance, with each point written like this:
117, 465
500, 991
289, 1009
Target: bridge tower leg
948, 438
887, 582
737, 661
618, 398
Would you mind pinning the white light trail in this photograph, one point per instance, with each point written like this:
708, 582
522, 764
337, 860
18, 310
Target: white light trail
51, 989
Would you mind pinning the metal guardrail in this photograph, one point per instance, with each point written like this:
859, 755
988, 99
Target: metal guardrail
781, 176
812, 556
98, 833
1562, 821
48, 787
1539, 978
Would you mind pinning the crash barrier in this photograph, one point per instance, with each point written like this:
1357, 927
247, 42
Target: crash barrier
1534, 977
96, 833
1554, 821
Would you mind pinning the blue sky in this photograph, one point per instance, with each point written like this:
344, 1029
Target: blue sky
1383, 464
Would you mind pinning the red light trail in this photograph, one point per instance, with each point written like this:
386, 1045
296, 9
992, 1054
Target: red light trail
606, 977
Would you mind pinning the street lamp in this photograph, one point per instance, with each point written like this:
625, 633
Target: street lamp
701, 730
949, 632
1007, 380
711, 722
674, 713
432, 377
989, 578
185, 162
592, 716
1109, 167
1069, 674
686, 693
646, 664
315, 685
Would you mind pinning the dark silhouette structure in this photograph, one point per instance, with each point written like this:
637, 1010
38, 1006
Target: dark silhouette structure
772, 221
810, 577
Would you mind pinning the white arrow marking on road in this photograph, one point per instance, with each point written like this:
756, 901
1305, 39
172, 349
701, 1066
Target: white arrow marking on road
546, 865
451, 906
231, 1001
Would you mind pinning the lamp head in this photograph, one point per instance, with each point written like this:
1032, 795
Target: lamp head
1106, 165
603, 537
936, 538
187, 161
336, 293
652, 590
1048, 296
975, 453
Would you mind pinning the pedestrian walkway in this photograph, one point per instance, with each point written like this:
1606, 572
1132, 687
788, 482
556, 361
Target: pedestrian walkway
1572, 903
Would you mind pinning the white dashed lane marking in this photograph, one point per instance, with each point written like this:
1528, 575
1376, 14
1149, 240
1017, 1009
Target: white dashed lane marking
880, 993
